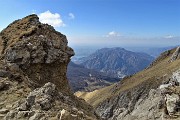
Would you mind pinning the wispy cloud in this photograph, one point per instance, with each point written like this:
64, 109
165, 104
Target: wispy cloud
71, 16
53, 19
33, 11
1, 28
169, 36
113, 34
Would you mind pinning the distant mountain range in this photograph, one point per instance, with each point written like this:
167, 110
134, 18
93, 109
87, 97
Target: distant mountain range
151, 94
153, 51
83, 79
117, 62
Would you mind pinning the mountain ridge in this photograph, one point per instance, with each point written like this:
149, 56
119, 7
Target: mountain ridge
117, 61
122, 99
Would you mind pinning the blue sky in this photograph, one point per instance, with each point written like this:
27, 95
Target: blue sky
104, 22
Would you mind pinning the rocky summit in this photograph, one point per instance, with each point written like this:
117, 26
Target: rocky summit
33, 83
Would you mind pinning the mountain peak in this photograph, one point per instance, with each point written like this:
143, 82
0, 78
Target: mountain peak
36, 47
117, 61
33, 64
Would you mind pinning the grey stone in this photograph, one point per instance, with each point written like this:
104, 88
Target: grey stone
4, 84
176, 54
4, 111
36, 116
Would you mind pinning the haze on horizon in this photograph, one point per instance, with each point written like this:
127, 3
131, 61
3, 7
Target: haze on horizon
104, 22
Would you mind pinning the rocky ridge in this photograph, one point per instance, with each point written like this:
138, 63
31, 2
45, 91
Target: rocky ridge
176, 55
155, 101
160, 104
151, 94
33, 83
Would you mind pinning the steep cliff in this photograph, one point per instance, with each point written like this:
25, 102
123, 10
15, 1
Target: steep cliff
33, 65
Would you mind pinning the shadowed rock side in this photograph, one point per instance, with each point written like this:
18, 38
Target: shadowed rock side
33, 83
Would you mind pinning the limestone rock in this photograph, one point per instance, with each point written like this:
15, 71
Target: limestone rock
37, 50
42, 97
3, 84
3, 111
171, 102
176, 54
42, 103
161, 103
33, 66
36, 116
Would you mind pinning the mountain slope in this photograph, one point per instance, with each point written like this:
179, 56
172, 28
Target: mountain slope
33, 83
117, 61
121, 100
83, 79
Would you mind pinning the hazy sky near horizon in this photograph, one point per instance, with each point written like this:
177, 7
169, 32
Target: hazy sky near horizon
103, 22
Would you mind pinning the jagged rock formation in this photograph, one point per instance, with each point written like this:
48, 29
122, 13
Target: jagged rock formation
37, 50
33, 83
161, 103
117, 61
46, 103
151, 94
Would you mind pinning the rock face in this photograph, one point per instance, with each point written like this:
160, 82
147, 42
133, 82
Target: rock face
37, 50
117, 61
160, 104
33, 83
46, 103
176, 54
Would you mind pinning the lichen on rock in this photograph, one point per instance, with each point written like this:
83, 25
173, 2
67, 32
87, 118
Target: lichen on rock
37, 50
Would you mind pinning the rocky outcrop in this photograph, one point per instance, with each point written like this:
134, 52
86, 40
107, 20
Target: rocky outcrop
33, 83
117, 107
176, 54
160, 104
46, 103
37, 50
